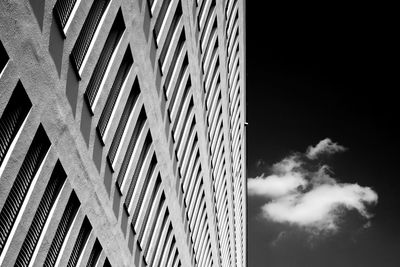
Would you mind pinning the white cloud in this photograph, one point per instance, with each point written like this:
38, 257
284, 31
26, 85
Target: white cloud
325, 146
312, 200
275, 186
320, 208
322, 176
285, 179
289, 164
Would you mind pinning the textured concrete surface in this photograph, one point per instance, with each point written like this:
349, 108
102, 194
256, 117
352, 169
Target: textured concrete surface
39, 59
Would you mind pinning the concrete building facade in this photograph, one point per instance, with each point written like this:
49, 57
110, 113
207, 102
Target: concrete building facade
122, 133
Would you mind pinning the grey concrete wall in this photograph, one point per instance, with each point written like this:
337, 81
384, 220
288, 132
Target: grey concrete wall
39, 58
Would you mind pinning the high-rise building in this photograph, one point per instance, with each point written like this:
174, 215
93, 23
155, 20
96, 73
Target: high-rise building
122, 133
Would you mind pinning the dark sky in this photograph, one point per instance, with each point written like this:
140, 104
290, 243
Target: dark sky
322, 71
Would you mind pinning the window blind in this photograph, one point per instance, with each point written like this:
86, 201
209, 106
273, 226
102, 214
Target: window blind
87, 32
63, 227
135, 135
171, 30
181, 75
33, 159
80, 242
13, 116
138, 167
114, 92
130, 103
161, 17
172, 64
62, 10
144, 188
111, 43
50, 195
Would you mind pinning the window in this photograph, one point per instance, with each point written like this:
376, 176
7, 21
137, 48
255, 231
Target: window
176, 109
185, 135
111, 43
166, 236
194, 186
130, 103
3, 57
62, 10
211, 71
149, 176
13, 116
179, 86
107, 263
165, 249
189, 153
169, 248
50, 195
208, 32
63, 227
143, 155
80, 242
184, 115
86, 34
202, 11
175, 64
208, 54
114, 92
150, 220
132, 143
232, 39
211, 94
161, 17
160, 220
149, 205
172, 31
94, 254
190, 180
33, 160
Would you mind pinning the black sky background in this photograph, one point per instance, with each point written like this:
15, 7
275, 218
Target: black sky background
317, 71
